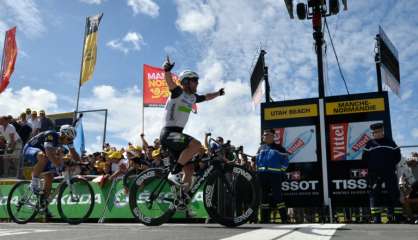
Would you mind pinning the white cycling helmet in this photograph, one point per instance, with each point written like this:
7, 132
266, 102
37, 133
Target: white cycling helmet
68, 130
186, 75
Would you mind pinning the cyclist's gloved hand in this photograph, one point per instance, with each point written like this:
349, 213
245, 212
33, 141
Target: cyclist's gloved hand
167, 65
221, 92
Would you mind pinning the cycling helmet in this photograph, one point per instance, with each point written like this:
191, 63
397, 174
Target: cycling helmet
186, 75
68, 130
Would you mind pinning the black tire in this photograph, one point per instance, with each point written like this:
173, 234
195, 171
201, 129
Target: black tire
156, 211
22, 204
78, 207
231, 196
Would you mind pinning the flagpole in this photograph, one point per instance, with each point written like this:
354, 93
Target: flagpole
143, 117
81, 69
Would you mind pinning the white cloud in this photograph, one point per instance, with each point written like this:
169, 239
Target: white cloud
97, 2
194, 17
147, 7
117, 45
103, 92
25, 14
131, 41
14, 102
134, 38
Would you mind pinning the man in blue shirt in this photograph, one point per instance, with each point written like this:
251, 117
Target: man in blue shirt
272, 161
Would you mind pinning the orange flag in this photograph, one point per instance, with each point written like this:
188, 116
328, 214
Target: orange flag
9, 58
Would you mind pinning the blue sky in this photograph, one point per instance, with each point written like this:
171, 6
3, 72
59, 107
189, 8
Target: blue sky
219, 39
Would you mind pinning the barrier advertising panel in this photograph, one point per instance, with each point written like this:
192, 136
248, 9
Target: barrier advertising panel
296, 126
348, 119
117, 205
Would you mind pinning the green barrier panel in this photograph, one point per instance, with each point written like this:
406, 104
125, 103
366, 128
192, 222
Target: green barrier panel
118, 205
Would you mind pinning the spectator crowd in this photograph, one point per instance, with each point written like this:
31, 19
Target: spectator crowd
14, 133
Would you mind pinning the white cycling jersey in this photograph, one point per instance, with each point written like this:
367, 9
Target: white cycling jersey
178, 107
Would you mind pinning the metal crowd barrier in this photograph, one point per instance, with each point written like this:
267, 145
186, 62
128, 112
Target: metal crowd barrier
10, 161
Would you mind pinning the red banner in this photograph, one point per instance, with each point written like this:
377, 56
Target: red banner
155, 88
9, 58
339, 138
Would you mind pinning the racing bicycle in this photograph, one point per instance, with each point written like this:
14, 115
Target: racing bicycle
230, 192
74, 197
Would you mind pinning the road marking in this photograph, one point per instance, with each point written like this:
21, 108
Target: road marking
290, 232
10, 232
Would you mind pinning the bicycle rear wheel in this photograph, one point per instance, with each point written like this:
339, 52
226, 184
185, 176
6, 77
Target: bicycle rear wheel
75, 201
22, 203
152, 198
231, 196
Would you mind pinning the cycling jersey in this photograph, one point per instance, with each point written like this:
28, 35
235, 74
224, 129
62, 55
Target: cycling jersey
44, 140
179, 106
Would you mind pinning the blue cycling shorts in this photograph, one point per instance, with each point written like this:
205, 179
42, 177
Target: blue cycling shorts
29, 155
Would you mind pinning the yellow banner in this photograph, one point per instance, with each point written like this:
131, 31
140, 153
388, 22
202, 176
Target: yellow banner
356, 106
298, 111
90, 48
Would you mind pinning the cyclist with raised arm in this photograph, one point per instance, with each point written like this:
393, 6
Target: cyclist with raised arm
177, 111
42, 151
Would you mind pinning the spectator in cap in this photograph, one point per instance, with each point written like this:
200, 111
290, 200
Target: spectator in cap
119, 165
382, 156
46, 123
35, 123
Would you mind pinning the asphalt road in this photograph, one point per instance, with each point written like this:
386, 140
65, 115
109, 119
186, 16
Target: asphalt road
60, 231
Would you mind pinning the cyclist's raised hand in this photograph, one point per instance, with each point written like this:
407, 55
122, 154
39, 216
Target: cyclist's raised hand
221, 92
167, 65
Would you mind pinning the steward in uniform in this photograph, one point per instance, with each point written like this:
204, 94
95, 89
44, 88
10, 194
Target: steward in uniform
382, 155
272, 162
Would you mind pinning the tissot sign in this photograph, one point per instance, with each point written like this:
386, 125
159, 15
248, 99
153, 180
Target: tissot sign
296, 125
348, 120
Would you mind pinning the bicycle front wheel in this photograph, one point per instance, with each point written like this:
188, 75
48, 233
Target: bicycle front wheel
130, 177
152, 198
231, 196
75, 201
22, 203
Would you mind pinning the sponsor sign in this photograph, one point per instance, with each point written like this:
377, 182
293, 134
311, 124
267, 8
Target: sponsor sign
348, 120
347, 140
296, 126
355, 106
118, 205
289, 112
300, 143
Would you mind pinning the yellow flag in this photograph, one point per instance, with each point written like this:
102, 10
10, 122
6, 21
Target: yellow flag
90, 47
